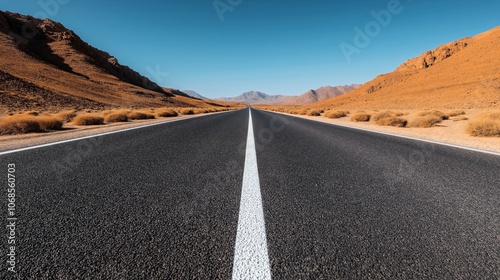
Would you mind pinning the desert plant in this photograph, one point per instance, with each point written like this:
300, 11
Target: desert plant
456, 113
424, 122
336, 114
392, 121
487, 125
361, 117
88, 119
66, 116
26, 123
438, 114
116, 117
186, 111
166, 112
140, 115
313, 113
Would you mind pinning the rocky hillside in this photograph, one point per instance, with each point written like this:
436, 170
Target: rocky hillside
463, 74
47, 66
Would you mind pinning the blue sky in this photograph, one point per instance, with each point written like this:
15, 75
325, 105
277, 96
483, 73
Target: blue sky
226, 47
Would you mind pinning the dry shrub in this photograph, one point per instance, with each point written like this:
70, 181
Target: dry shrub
88, 119
361, 117
486, 125
336, 114
140, 115
438, 114
314, 113
116, 117
460, 118
186, 111
392, 121
66, 116
166, 112
383, 115
456, 113
302, 112
427, 121
200, 111
25, 123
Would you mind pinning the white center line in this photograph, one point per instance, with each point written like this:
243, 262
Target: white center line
251, 260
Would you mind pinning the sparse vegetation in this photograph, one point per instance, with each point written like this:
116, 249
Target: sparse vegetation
336, 114
313, 113
438, 114
140, 115
88, 119
361, 117
66, 116
487, 125
186, 111
425, 122
392, 121
389, 118
27, 123
119, 116
456, 113
166, 112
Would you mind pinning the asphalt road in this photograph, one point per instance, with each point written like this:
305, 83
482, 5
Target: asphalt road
163, 202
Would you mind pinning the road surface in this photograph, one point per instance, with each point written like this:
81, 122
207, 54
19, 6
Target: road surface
225, 196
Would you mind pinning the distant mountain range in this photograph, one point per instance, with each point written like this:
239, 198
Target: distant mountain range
194, 94
309, 97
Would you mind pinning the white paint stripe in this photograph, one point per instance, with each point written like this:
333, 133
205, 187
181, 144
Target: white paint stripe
395, 135
251, 260
102, 134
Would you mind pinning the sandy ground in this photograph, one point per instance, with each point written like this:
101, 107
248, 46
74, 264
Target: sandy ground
449, 131
11, 142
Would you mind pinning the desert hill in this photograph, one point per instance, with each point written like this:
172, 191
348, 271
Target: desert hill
44, 65
463, 74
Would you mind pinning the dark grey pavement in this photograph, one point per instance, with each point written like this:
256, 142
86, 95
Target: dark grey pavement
162, 202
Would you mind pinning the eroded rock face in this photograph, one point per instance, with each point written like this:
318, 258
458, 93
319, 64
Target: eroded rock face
433, 57
52, 42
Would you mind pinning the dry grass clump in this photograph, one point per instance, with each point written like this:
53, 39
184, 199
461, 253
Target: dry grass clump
26, 123
186, 111
88, 119
313, 113
456, 113
336, 114
389, 118
486, 125
66, 116
361, 117
166, 112
392, 121
438, 114
424, 122
140, 115
459, 118
119, 116
383, 115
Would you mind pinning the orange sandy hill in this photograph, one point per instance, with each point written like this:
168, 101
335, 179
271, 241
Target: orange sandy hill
460, 75
45, 66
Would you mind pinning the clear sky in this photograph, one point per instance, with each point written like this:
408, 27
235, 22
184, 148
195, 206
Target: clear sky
226, 47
